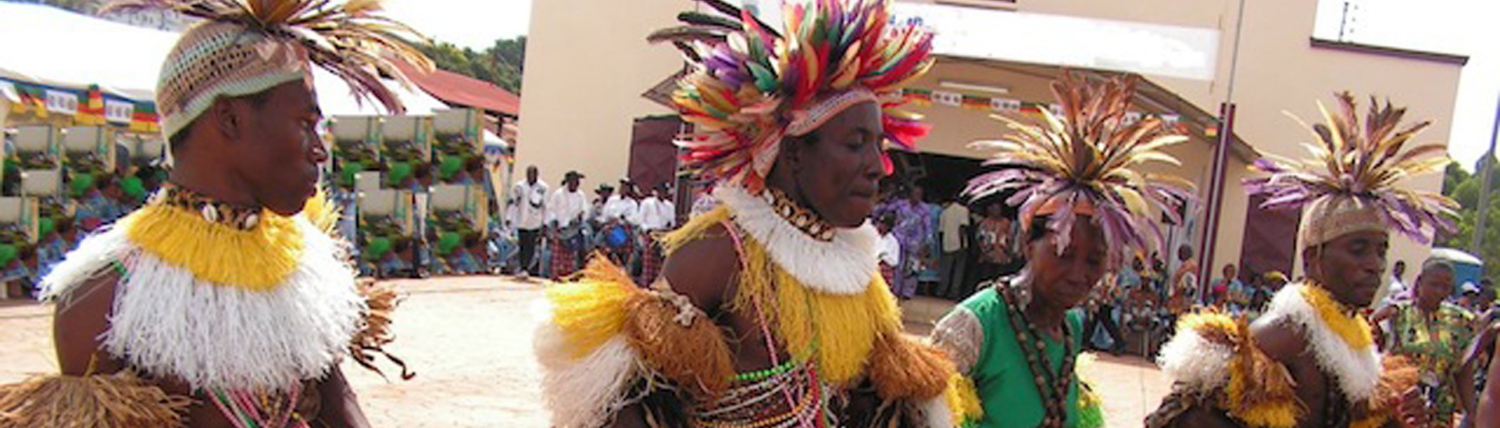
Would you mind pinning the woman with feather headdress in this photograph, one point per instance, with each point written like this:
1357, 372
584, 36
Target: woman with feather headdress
770, 310
1084, 209
226, 301
1310, 360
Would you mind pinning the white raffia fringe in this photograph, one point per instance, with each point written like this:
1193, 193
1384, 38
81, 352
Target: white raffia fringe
1357, 371
1193, 361
585, 392
843, 267
935, 413
166, 322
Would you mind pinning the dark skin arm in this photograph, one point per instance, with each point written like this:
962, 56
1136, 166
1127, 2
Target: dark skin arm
1283, 344
1488, 413
1377, 319
81, 320
704, 271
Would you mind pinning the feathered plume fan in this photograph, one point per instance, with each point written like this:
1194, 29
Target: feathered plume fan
1085, 161
1361, 163
749, 78
348, 40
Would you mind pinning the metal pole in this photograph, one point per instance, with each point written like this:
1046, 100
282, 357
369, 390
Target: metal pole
1215, 202
1476, 245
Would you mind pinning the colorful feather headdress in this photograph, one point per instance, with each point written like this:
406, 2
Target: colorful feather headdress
245, 47
1084, 164
752, 86
1349, 185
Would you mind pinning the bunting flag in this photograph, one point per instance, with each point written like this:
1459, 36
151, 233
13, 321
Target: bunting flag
95, 108
92, 112
928, 97
145, 120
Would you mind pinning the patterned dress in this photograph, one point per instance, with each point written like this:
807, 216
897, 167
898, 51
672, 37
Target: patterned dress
1436, 341
913, 230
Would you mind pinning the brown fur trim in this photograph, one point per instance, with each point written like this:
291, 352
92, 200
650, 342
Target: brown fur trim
375, 329
901, 368
121, 400
695, 356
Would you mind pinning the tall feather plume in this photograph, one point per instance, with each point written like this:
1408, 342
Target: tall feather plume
1363, 162
352, 40
749, 77
1088, 157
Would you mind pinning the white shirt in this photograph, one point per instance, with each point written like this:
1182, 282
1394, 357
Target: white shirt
624, 209
657, 214
950, 225
566, 207
890, 250
530, 205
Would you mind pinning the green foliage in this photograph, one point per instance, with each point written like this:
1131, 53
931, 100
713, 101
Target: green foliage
1464, 187
500, 64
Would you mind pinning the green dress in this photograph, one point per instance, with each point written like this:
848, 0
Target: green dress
1437, 343
979, 334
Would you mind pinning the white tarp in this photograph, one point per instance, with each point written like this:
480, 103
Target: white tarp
58, 47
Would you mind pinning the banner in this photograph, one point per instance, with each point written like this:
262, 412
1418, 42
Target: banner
928, 97
90, 106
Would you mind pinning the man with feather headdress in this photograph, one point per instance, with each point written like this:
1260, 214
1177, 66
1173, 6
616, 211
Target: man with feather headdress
1310, 359
770, 310
226, 301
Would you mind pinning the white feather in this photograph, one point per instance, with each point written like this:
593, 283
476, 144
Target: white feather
1357, 370
166, 322
844, 266
1195, 362
585, 392
935, 413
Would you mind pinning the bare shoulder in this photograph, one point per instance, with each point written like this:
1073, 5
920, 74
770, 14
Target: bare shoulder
1279, 339
704, 269
80, 320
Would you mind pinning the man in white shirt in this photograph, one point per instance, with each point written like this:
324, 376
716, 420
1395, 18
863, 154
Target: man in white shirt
528, 204
889, 253
657, 214
566, 211
953, 225
1396, 290
621, 213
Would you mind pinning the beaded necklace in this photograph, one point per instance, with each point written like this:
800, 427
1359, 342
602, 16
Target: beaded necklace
246, 409
1052, 387
804, 219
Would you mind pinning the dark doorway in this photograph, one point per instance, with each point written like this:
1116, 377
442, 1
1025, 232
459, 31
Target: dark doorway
1270, 241
653, 156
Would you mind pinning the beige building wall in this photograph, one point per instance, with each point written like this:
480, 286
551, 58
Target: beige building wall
587, 64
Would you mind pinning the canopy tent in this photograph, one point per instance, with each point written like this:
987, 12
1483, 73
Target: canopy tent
58, 48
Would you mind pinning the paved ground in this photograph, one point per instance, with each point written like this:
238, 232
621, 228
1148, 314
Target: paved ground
469, 340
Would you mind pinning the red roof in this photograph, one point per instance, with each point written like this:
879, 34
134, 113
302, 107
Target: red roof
461, 90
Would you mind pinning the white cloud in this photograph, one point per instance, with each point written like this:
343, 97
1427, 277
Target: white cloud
467, 23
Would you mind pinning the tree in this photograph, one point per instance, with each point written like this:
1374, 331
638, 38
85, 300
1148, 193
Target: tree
1464, 188
499, 64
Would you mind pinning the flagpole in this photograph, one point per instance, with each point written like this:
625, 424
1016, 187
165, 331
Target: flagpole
1476, 244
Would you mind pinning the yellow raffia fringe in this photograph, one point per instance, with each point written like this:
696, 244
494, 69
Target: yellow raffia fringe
844, 327
963, 400
321, 212
1260, 391
591, 311
258, 259
120, 400
1351, 327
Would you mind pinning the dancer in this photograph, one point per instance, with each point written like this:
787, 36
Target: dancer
1083, 211
1310, 360
226, 300
770, 311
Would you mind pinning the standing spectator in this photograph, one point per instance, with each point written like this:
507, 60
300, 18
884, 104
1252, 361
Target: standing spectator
1224, 287
528, 200
620, 212
565, 217
1395, 291
1103, 301
1185, 278
657, 215
913, 229
953, 232
1434, 333
890, 248
994, 243
928, 277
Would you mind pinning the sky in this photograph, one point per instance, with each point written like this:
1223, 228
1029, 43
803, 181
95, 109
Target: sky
467, 23
1463, 27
